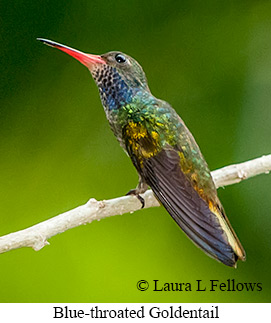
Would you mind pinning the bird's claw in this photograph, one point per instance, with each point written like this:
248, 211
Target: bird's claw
140, 198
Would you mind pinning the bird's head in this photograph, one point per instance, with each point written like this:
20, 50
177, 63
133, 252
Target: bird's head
117, 75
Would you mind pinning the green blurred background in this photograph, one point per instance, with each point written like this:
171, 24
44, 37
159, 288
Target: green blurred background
212, 61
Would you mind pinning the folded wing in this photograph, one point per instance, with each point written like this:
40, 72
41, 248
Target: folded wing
201, 219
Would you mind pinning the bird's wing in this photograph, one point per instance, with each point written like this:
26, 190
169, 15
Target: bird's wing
203, 221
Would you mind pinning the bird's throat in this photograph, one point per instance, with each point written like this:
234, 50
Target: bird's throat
113, 88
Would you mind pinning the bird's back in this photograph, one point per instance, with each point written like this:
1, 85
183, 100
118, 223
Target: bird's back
170, 162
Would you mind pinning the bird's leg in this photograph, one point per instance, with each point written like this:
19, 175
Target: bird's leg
140, 189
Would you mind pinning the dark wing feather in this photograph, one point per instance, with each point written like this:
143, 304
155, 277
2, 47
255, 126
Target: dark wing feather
161, 169
163, 173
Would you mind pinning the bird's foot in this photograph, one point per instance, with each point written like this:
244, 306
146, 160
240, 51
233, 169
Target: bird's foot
136, 193
140, 189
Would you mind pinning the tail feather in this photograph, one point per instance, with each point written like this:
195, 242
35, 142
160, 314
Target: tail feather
208, 228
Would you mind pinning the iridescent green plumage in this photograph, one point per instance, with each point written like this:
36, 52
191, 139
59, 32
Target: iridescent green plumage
168, 159
164, 152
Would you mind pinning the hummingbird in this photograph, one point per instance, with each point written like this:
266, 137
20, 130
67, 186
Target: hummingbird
163, 151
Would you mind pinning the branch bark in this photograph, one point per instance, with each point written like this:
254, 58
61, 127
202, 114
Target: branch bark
36, 236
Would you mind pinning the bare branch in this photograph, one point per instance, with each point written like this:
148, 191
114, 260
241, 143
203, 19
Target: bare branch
37, 235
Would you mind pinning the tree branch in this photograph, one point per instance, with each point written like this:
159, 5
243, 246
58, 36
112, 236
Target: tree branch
37, 235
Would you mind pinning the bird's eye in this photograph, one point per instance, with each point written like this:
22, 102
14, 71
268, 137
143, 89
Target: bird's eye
120, 58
